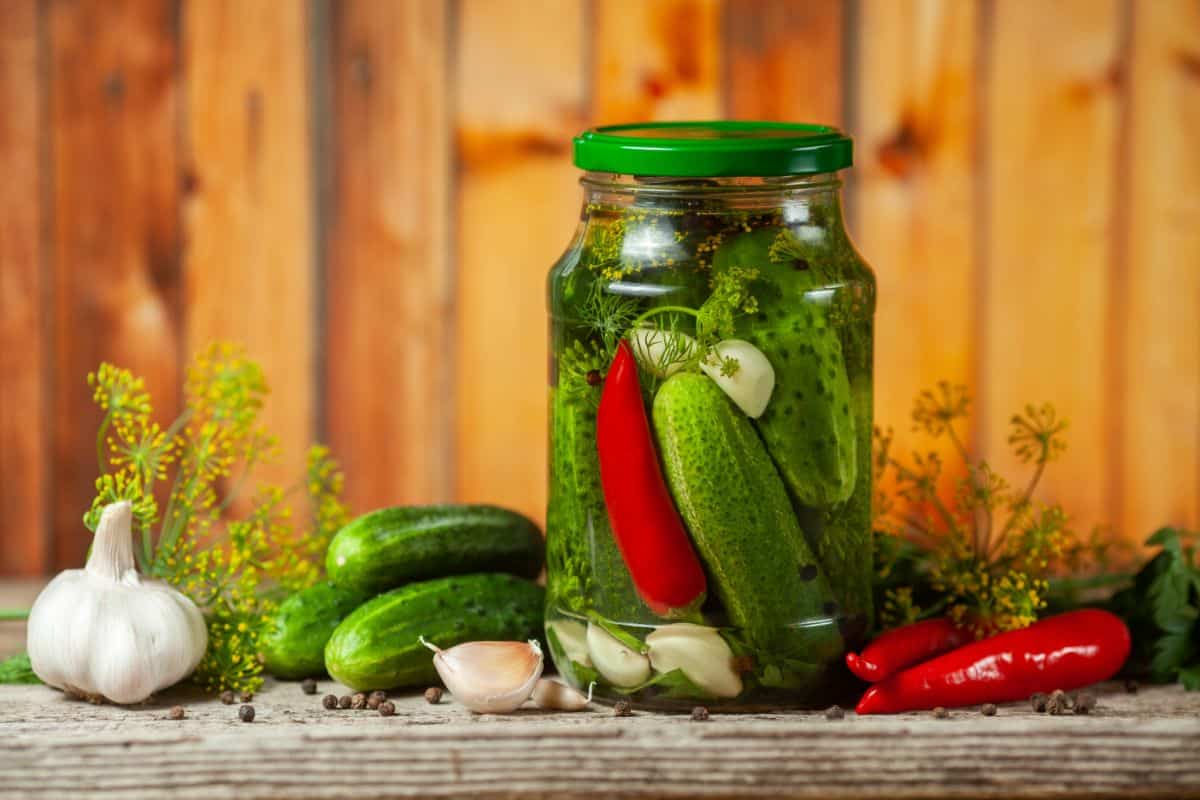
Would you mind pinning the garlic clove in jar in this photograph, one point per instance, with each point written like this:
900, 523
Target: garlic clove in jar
572, 638
743, 373
700, 652
662, 353
554, 695
489, 677
106, 632
615, 662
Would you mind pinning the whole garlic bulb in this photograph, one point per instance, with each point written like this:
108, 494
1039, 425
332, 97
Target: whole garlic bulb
107, 632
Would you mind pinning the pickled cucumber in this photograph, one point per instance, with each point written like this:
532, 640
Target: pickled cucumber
808, 426
737, 510
585, 567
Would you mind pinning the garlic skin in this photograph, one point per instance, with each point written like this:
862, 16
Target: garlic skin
750, 386
555, 696
107, 632
618, 665
489, 677
700, 652
650, 349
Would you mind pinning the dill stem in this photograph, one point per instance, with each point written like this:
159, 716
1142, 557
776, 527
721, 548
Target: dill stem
943, 511
14, 614
958, 445
147, 542
100, 436
238, 484
917, 533
645, 315
981, 534
1021, 504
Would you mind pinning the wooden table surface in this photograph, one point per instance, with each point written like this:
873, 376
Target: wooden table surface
1134, 745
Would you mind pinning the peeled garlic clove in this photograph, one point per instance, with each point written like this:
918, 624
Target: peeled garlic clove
753, 377
619, 665
662, 353
700, 652
572, 637
558, 696
489, 677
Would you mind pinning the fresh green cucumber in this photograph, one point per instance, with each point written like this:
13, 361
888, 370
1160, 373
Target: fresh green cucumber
294, 643
394, 546
740, 518
808, 426
378, 646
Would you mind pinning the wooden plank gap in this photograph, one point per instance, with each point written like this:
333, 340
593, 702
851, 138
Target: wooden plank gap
981, 211
45, 157
848, 75
1116, 393
320, 88
451, 320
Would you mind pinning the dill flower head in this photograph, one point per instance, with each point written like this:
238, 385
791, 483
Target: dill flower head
233, 569
983, 555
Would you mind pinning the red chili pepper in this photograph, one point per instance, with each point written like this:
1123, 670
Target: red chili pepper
902, 647
648, 530
1062, 652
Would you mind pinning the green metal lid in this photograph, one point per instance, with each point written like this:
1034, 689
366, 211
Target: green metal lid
713, 149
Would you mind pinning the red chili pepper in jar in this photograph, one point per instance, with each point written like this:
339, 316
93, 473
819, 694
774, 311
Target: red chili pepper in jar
649, 533
902, 647
1065, 652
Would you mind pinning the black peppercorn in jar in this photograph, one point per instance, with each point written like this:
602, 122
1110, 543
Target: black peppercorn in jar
708, 531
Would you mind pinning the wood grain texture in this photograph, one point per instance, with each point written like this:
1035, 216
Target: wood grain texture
914, 216
520, 89
249, 259
24, 448
113, 116
1159, 472
1133, 746
389, 288
1050, 158
783, 60
656, 59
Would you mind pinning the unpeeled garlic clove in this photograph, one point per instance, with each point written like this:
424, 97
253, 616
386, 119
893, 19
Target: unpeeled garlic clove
662, 353
489, 677
753, 378
619, 665
700, 652
553, 695
572, 637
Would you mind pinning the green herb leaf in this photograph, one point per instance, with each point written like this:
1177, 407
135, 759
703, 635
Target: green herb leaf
1162, 610
18, 670
620, 634
1171, 653
673, 684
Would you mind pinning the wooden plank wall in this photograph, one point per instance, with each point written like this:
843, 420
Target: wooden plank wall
369, 193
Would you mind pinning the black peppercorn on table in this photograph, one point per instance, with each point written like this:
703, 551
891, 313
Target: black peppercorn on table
1143, 744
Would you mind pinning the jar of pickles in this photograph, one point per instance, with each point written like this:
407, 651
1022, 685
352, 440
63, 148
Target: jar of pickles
709, 522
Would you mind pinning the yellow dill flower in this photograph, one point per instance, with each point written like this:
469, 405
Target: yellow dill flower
230, 568
983, 553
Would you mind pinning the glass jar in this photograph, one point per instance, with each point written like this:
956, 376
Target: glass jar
709, 521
